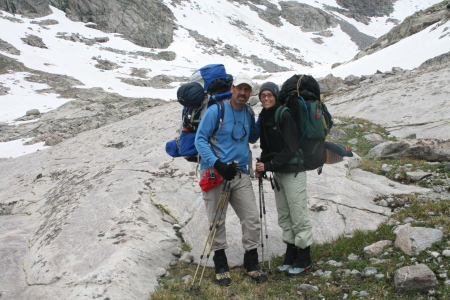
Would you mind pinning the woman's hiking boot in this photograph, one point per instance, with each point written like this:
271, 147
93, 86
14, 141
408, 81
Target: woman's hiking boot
289, 258
302, 262
221, 266
252, 268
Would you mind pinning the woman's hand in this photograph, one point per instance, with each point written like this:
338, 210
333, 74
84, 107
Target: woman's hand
260, 167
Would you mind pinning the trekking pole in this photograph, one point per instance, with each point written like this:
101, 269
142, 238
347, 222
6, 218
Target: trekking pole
211, 226
261, 218
265, 221
225, 199
212, 234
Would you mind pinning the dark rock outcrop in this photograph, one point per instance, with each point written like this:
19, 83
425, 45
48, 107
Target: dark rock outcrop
8, 48
27, 8
307, 17
147, 23
9, 64
368, 8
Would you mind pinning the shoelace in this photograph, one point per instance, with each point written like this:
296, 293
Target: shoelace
256, 272
223, 275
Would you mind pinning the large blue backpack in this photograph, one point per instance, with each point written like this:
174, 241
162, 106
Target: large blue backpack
207, 86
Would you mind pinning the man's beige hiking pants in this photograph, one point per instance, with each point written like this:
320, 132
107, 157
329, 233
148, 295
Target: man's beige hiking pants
242, 200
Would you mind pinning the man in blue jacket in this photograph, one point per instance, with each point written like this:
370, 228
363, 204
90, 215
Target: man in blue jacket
218, 149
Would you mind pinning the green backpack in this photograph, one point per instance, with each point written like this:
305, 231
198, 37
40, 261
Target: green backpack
312, 119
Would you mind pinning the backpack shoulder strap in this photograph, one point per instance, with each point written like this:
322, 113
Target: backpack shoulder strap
221, 114
279, 117
250, 110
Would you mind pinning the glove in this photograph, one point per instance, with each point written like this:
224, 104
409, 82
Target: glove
228, 171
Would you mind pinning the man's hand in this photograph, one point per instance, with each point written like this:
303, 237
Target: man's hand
228, 171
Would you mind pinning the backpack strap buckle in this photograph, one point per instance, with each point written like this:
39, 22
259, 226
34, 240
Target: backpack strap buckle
212, 174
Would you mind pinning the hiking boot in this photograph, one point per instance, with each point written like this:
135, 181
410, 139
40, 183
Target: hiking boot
289, 258
221, 266
302, 264
293, 271
223, 277
252, 268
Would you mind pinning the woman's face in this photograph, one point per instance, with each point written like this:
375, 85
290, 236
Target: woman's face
267, 99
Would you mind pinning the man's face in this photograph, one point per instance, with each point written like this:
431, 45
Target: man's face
241, 93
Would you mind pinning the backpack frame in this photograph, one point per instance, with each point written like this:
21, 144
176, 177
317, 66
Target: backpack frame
207, 86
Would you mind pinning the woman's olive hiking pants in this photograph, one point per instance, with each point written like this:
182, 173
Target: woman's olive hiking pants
292, 208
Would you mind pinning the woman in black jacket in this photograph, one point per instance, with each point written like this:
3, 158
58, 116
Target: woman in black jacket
279, 155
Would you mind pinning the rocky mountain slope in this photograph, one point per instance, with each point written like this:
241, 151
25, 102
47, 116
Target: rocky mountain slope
439, 13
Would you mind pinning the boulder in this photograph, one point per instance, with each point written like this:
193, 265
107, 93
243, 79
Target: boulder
376, 248
330, 83
427, 149
414, 278
413, 240
352, 80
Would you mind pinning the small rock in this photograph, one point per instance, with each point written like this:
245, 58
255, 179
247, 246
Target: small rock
364, 294
187, 257
416, 176
33, 112
354, 257
176, 251
376, 261
386, 168
376, 248
369, 271
187, 279
435, 254
408, 220
335, 263
309, 287
355, 273
383, 203
173, 263
160, 272
446, 253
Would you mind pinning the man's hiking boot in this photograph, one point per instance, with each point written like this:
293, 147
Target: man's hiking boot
289, 258
252, 268
221, 266
223, 277
302, 263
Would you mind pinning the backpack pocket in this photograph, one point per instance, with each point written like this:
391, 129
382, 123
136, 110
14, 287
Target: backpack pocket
187, 144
